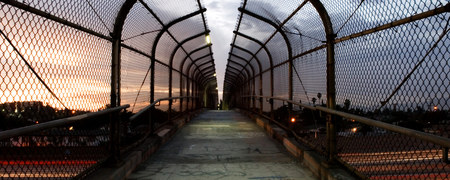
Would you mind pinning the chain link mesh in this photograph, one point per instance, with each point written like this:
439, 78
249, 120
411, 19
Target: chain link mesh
391, 65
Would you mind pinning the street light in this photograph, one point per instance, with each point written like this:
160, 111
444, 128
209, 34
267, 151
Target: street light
208, 39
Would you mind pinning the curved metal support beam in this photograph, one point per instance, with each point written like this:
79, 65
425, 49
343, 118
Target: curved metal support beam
202, 74
244, 67
248, 76
197, 68
286, 39
198, 59
238, 73
331, 84
179, 45
253, 57
116, 48
165, 29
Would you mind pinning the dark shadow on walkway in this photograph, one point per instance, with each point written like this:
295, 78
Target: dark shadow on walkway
221, 145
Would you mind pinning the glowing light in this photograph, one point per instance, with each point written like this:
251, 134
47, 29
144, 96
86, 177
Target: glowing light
214, 74
293, 120
435, 108
208, 39
71, 128
37, 122
73, 112
354, 130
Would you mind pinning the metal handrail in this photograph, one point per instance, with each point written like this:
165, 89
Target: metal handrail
142, 111
439, 140
55, 123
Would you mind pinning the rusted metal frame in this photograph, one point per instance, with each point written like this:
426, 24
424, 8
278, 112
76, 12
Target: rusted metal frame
331, 80
260, 72
278, 29
116, 36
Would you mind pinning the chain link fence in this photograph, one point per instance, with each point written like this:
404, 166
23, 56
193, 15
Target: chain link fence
387, 61
69, 59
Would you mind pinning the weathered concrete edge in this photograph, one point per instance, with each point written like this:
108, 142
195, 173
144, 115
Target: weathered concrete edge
308, 157
141, 153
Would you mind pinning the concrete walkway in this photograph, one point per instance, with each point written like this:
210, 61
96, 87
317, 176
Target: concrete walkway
221, 145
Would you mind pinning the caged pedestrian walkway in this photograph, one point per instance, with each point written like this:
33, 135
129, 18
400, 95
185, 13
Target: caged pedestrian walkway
320, 89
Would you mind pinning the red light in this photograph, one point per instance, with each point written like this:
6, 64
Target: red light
293, 120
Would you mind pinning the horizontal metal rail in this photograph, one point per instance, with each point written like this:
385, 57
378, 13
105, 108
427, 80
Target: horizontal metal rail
442, 141
142, 111
59, 122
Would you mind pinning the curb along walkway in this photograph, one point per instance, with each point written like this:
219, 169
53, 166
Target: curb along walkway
221, 145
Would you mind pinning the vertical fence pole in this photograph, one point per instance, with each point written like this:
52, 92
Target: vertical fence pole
114, 120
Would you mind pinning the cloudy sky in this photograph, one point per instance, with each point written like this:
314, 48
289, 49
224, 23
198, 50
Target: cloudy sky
221, 16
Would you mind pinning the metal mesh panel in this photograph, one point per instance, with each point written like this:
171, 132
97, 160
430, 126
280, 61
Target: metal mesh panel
187, 28
371, 72
74, 65
264, 59
390, 65
178, 58
255, 66
369, 14
165, 47
266, 91
195, 43
309, 78
242, 54
281, 82
278, 49
247, 44
140, 29
162, 85
135, 80
169, 10
305, 30
96, 15
256, 28
276, 12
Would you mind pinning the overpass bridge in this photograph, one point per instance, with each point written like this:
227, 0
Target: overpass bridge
348, 89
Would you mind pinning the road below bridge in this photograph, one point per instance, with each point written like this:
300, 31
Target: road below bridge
221, 145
